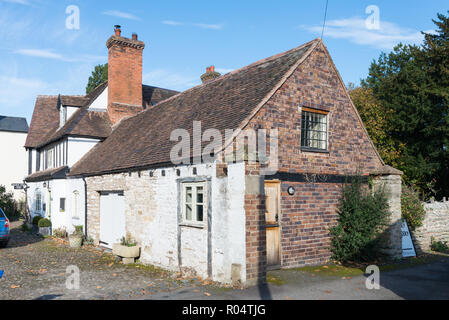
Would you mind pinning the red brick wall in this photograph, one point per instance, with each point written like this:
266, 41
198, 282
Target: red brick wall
307, 215
316, 84
124, 81
305, 220
256, 249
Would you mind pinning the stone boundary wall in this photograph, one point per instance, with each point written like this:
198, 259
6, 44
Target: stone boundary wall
435, 224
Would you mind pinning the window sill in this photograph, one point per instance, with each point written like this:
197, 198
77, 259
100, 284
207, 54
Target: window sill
198, 225
306, 149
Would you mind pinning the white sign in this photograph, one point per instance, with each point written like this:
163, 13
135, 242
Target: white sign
408, 250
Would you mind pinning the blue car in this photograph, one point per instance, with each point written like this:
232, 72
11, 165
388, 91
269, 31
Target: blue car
4, 229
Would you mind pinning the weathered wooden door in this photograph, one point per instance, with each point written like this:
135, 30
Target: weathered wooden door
272, 213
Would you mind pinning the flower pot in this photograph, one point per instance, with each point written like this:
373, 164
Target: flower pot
128, 254
44, 231
75, 240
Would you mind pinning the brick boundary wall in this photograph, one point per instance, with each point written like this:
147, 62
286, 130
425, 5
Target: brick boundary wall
435, 224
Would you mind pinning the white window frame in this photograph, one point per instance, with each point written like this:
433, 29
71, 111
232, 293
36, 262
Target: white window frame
317, 132
38, 202
194, 203
50, 159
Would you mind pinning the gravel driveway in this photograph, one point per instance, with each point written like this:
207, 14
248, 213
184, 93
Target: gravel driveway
35, 268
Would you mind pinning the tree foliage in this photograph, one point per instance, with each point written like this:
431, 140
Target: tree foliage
8, 204
411, 207
411, 86
375, 117
99, 75
363, 215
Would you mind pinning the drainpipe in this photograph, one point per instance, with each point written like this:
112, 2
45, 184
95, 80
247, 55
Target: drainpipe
85, 206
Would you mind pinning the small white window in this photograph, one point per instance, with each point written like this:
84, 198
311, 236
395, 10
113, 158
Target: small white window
38, 201
194, 200
50, 159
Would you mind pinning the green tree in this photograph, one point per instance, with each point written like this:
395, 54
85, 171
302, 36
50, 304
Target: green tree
8, 204
412, 85
375, 117
99, 75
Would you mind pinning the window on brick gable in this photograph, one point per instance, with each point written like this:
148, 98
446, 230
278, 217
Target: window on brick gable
193, 202
314, 130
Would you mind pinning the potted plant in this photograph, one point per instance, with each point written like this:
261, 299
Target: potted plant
76, 238
44, 227
34, 224
127, 249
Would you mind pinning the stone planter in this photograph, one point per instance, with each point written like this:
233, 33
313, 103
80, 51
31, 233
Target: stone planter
45, 231
75, 240
128, 254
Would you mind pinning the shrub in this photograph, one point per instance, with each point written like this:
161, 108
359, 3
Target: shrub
9, 205
439, 246
362, 217
44, 223
25, 227
60, 233
36, 220
411, 207
128, 241
78, 230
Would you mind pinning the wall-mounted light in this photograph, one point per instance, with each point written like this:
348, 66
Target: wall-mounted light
45, 185
291, 190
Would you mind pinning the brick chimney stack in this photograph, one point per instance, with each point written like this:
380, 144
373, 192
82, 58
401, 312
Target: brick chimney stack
210, 74
124, 76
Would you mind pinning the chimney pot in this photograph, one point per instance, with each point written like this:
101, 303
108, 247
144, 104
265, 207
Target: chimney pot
134, 36
210, 74
118, 30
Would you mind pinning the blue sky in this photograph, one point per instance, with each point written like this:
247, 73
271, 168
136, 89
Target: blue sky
39, 55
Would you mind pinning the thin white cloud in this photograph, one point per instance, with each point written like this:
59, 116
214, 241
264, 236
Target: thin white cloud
121, 14
170, 80
23, 2
48, 54
172, 23
209, 26
355, 30
199, 25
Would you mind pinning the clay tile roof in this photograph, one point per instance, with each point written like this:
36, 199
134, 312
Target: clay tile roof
83, 122
153, 95
45, 119
224, 103
55, 173
75, 101
13, 124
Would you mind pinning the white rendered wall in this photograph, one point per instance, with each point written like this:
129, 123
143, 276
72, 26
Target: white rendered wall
13, 161
101, 102
78, 147
151, 210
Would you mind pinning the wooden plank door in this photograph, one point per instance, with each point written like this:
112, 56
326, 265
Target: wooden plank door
272, 213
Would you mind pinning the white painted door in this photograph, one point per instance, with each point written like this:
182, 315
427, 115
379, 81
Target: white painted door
112, 218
